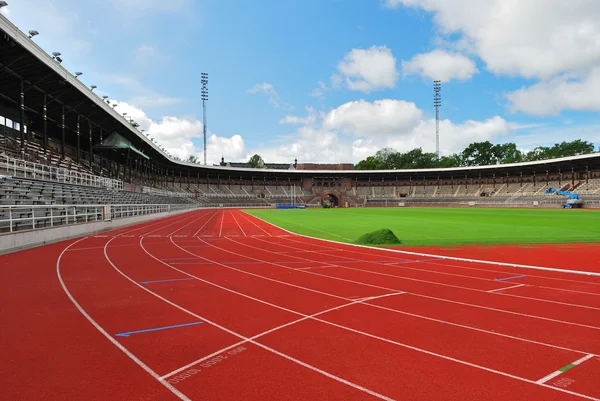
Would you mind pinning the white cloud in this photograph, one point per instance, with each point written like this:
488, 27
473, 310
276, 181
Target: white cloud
269, 90
177, 136
440, 65
355, 130
232, 148
379, 118
367, 70
320, 90
560, 93
556, 42
310, 118
533, 39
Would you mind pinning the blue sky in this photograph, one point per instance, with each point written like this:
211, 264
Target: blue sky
333, 80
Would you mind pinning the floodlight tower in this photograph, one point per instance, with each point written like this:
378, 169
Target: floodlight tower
437, 103
204, 80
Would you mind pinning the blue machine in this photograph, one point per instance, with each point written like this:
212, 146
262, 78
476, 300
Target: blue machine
574, 201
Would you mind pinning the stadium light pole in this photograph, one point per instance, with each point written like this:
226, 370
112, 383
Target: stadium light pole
33, 33
204, 80
437, 103
93, 87
3, 4
78, 74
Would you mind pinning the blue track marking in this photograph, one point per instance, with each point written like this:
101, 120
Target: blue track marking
509, 278
164, 281
156, 329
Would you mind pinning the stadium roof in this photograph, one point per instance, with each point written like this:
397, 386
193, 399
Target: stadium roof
22, 58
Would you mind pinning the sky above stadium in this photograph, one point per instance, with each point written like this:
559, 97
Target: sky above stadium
334, 80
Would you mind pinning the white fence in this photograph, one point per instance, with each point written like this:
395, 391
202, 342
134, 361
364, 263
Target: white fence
37, 171
30, 217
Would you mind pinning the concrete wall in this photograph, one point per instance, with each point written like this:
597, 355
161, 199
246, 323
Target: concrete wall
28, 239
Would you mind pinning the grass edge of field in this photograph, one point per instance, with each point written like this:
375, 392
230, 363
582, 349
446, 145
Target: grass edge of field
298, 228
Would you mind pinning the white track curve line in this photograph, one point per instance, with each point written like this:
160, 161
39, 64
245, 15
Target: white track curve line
264, 333
333, 264
141, 364
393, 291
281, 354
259, 227
396, 289
238, 224
205, 223
431, 353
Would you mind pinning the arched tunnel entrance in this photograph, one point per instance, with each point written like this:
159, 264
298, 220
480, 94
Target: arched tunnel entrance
330, 200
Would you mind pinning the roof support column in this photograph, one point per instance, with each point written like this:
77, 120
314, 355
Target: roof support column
62, 135
22, 124
560, 178
101, 153
90, 145
77, 154
127, 168
45, 125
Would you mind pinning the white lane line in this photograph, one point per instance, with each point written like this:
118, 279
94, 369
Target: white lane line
141, 364
507, 288
371, 336
564, 369
274, 351
264, 333
368, 304
259, 227
395, 289
174, 219
222, 218
184, 226
205, 223
238, 224
413, 279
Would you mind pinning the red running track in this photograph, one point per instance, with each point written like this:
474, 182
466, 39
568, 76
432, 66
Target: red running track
218, 305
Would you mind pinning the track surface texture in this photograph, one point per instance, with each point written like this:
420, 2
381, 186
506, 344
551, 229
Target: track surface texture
220, 305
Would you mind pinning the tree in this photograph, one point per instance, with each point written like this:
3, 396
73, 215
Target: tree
256, 162
563, 149
454, 160
507, 153
383, 155
370, 163
479, 154
192, 159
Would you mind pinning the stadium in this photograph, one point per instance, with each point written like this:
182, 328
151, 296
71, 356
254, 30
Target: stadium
128, 274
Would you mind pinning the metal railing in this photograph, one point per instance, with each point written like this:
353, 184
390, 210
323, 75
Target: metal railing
38, 171
32, 217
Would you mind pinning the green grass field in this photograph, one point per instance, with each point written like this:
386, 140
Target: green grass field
443, 226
